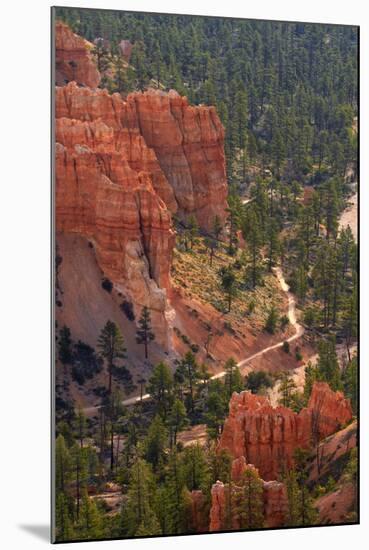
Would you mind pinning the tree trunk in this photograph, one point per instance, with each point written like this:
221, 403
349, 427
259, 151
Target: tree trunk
112, 447
78, 488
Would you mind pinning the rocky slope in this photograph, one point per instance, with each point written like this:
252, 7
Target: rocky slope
267, 437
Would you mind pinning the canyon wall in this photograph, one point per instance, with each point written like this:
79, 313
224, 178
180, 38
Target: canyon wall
105, 192
189, 144
267, 437
124, 166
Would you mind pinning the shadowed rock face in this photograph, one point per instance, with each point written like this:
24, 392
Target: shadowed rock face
73, 60
267, 437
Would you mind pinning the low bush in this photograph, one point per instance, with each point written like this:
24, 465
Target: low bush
257, 380
86, 363
107, 285
127, 308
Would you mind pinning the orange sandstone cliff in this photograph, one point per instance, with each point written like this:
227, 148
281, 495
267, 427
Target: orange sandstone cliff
189, 144
123, 167
267, 437
73, 58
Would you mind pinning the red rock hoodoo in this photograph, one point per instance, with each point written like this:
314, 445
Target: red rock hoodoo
275, 500
267, 437
73, 60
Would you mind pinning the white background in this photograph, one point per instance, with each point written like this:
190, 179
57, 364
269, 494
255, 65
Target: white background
24, 257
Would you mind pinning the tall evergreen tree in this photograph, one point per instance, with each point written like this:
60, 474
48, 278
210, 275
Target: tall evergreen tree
111, 346
228, 283
144, 334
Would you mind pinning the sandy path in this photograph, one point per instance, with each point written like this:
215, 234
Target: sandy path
349, 216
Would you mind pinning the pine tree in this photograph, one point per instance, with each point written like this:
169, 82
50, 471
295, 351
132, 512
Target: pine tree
233, 379
327, 366
111, 346
216, 408
188, 367
311, 375
79, 466
63, 521
102, 55
251, 232
273, 243
294, 499
234, 211
160, 387
305, 514
177, 420
90, 524
63, 465
114, 410
150, 527
144, 334
228, 283
80, 426
272, 319
193, 229
195, 468
211, 245
137, 512
350, 382
174, 485
65, 346
287, 390
220, 465
217, 227
124, 75
156, 442
251, 508
140, 63
350, 320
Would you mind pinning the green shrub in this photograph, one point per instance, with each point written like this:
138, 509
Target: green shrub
127, 308
107, 285
257, 380
86, 363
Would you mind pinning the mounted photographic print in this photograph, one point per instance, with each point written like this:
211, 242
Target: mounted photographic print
205, 178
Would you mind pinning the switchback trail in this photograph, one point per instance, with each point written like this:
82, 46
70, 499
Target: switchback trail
244, 364
299, 330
